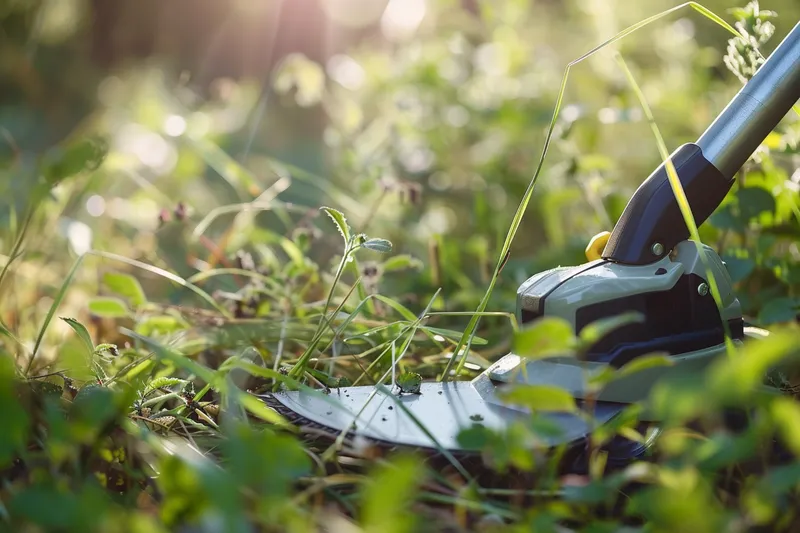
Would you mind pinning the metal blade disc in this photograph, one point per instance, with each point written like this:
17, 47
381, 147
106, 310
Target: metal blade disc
432, 419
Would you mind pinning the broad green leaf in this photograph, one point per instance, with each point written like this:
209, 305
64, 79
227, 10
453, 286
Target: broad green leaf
388, 494
540, 398
264, 461
95, 406
378, 245
760, 499
753, 201
781, 479
725, 218
81, 331
62, 162
545, 337
401, 262
738, 264
602, 376
733, 378
108, 307
63, 509
779, 310
125, 285
643, 363
340, 221
474, 438
598, 329
786, 416
13, 416
93, 403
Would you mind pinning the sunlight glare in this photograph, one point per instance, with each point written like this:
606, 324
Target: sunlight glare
174, 126
79, 236
346, 71
95, 205
402, 18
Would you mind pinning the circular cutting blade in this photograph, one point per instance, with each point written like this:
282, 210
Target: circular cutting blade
432, 419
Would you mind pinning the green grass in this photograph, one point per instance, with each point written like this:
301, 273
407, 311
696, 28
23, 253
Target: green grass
131, 372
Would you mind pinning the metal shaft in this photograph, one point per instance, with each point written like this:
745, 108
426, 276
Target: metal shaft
755, 111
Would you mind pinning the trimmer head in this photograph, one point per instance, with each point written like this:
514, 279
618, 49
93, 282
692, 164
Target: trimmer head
681, 319
647, 265
672, 297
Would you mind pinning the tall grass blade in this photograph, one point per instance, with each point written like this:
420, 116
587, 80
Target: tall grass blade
680, 194
62, 291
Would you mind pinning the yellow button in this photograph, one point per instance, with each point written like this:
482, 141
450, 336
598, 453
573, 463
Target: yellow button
595, 248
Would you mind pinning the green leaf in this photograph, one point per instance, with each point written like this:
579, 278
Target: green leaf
94, 404
738, 264
545, 337
108, 307
476, 437
786, 415
81, 331
778, 310
63, 509
643, 363
540, 398
63, 162
379, 245
13, 416
753, 201
340, 221
734, 378
293, 251
724, 218
401, 262
760, 499
264, 461
125, 285
598, 329
388, 494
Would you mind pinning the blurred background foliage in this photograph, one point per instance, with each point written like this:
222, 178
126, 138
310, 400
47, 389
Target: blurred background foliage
421, 120
196, 134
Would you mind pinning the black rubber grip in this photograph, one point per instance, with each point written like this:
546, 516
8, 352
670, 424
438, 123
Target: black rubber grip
652, 215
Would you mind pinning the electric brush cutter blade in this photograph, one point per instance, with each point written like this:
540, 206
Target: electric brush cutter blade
433, 418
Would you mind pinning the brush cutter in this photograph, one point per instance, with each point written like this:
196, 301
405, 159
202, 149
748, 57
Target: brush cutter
647, 264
